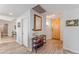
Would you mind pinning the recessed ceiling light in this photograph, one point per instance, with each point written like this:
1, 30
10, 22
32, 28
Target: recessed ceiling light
10, 13
53, 15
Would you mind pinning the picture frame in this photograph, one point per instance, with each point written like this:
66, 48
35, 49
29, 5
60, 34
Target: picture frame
37, 23
73, 22
19, 25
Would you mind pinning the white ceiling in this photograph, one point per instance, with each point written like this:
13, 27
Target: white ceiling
59, 8
16, 9
19, 9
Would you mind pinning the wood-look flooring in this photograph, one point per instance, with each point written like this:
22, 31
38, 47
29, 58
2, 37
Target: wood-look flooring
8, 45
52, 47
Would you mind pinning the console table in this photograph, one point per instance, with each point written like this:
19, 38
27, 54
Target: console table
38, 42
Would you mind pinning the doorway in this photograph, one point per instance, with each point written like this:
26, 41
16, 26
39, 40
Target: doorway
7, 32
4, 32
56, 28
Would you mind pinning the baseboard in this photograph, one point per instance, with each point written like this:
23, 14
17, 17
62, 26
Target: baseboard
72, 51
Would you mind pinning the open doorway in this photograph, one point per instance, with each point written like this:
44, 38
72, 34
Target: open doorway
7, 31
56, 28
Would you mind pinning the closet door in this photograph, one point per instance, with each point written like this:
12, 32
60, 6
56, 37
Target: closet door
25, 25
19, 31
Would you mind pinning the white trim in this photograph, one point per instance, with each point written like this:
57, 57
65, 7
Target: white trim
73, 51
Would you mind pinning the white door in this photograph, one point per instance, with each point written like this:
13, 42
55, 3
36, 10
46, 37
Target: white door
19, 31
25, 25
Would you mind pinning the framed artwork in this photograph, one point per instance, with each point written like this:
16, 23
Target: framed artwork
37, 23
72, 22
15, 27
19, 25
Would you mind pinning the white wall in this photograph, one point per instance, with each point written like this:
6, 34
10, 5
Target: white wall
6, 18
71, 34
26, 23
22, 32
48, 27
11, 27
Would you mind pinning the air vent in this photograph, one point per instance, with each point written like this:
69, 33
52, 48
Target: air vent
39, 9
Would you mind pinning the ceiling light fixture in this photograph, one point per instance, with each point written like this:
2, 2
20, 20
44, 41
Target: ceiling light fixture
11, 14
53, 15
